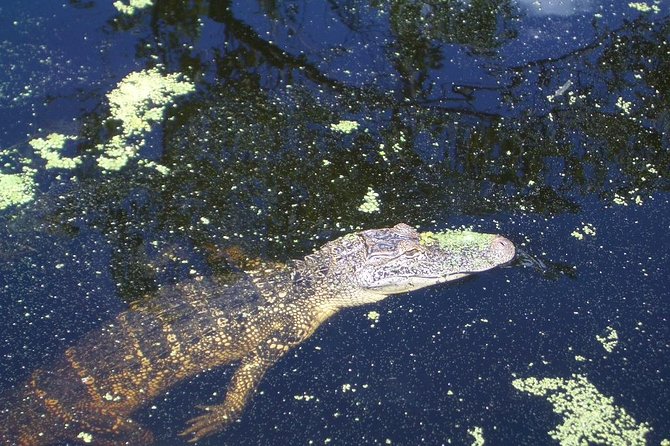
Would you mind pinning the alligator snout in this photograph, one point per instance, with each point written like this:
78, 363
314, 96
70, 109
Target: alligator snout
503, 249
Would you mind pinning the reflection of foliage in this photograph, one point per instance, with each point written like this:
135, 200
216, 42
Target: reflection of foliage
422, 29
473, 23
274, 163
601, 148
255, 164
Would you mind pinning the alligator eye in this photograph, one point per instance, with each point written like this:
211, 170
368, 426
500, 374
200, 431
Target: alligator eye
413, 252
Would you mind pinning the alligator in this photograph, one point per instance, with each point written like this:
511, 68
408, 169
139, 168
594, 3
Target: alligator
89, 394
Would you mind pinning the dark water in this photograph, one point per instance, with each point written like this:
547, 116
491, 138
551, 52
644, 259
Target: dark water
532, 120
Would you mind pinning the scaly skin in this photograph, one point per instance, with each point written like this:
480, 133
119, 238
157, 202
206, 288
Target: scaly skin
201, 325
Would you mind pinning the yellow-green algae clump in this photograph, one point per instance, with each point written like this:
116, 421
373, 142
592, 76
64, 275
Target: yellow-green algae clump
344, 126
477, 434
50, 148
589, 417
644, 7
610, 340
132, 5
587, 229
16, 188
457, 238
370, 202
138, 101
373, 316
85, 437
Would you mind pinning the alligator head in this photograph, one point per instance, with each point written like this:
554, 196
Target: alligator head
367, 266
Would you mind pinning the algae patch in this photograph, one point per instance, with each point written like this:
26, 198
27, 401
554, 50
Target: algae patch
344, 126
644, 7
304, 397
85, 437
621, 200
50, 149
624, 105
587, 229
16, 188
477, 434
589, 417
137, 102
457, 239
370, 202
132, 6
610, 340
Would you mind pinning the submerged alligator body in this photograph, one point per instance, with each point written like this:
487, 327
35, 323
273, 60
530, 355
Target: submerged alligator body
89, 394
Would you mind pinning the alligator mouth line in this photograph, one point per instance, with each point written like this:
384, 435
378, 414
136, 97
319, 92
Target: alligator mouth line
412, 280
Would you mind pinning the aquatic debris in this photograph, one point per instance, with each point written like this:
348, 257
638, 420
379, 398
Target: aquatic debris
138, 101
560, 90
344, 126
370, 202
589, 417
610, 340
50, 148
